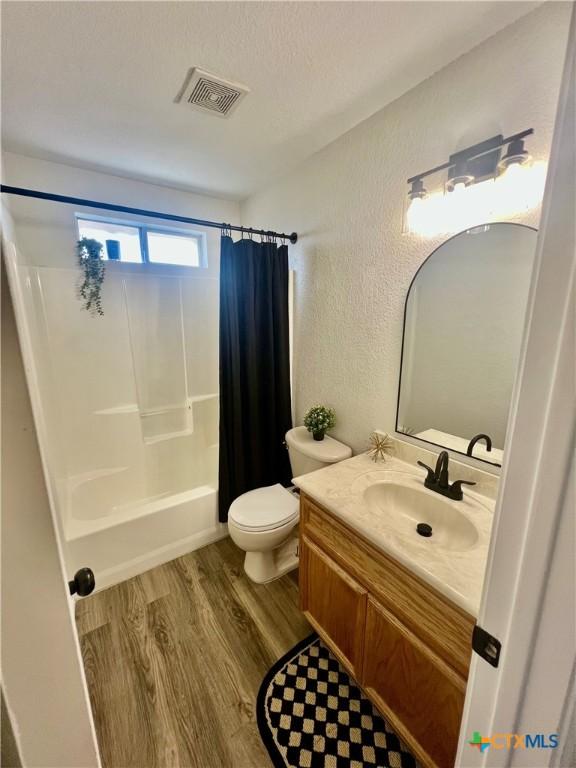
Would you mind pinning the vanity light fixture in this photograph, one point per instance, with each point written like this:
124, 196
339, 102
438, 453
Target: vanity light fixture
458, 174
416, 196
482, 185
515, 155
417, 192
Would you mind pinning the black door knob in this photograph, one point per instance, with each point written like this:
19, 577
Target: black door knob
83, 583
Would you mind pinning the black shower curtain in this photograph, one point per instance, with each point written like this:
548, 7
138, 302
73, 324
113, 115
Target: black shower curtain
255, 410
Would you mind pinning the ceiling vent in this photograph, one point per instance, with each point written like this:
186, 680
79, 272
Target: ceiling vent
209, 93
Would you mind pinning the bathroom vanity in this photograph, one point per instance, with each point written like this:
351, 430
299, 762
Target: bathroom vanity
396, 609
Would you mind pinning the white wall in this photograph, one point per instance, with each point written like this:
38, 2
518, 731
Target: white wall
352, 261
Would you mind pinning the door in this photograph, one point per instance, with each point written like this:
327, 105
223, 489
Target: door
529, 599
42, 673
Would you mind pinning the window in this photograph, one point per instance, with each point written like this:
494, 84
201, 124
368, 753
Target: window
168, 248
140, 244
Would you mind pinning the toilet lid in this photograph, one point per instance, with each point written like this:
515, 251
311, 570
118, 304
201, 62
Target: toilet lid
264, 508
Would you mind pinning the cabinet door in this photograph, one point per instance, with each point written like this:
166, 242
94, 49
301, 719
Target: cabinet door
334, 604
417, 691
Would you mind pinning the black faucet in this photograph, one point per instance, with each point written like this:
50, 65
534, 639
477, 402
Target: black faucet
475, 440
437, 480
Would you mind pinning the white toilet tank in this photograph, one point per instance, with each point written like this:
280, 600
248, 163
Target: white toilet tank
308, 455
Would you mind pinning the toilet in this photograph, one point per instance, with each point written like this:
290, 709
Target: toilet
263, 522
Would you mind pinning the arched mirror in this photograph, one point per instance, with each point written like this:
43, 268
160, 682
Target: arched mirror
463, 324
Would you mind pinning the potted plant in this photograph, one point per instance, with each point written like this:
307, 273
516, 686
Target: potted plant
318, 420
89, 255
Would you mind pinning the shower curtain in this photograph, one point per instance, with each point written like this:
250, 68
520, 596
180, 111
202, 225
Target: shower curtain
255, 406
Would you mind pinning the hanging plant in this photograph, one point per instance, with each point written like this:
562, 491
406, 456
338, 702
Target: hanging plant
89, 254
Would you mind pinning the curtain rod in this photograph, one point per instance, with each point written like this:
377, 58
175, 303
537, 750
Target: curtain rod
293, 238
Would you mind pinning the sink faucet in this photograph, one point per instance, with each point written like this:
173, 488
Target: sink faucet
477, 439
441, 472
437, 479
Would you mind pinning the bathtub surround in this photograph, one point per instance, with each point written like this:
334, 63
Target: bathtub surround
353, 264
255, 400
129, 400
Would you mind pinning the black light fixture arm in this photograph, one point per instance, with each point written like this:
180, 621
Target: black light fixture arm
477, 149
293, 237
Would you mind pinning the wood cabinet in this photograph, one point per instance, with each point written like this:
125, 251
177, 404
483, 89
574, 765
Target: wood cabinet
335, 604
404, 643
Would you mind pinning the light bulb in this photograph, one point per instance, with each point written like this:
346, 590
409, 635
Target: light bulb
514, 172
520, 188
414, 214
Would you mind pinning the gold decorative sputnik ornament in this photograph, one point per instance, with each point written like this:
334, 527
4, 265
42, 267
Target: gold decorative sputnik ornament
380, 445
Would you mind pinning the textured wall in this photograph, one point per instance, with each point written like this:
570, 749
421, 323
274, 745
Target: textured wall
353, 263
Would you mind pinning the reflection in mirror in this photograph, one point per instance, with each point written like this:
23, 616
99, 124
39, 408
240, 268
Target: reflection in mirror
463, 325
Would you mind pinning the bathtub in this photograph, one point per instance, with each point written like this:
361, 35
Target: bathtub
131, 538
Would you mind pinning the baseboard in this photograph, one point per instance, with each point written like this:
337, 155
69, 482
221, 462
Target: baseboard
138, 565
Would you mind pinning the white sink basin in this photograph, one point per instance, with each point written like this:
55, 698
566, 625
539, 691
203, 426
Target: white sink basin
403, 507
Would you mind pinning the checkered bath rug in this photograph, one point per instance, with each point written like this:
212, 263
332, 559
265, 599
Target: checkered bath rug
312, 715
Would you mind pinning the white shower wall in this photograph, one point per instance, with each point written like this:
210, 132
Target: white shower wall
129, 400
126, 410
130, 434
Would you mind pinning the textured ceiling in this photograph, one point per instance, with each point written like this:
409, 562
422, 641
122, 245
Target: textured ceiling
94, 83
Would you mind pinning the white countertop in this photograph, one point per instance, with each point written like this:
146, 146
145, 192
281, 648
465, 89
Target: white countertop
458, 575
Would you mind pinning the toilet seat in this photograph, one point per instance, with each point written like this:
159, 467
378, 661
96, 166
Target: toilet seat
264, 509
